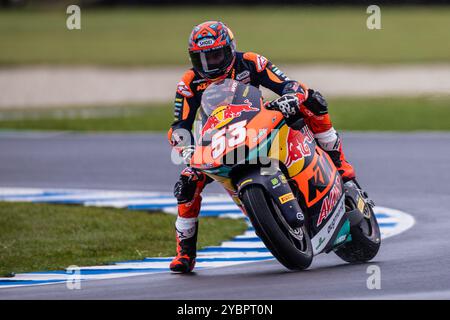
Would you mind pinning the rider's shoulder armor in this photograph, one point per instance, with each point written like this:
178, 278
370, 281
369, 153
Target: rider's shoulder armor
184, 87
248, 67
258, 61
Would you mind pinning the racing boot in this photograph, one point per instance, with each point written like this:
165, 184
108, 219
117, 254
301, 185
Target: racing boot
187, 191
184, 261
331, 143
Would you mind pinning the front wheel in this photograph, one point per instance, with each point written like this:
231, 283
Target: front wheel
291, 247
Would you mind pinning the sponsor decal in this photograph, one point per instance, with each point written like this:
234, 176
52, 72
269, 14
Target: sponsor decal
282, 178
321, 240
297, 146
244, 74
278, 72
225, 114
202, 86
329, 228
245, 93
361, 204
189, 233
329, 203
205, 42
261, 63
340, 210
208, 165
234, 86
245, 182
184, 90
275, 183
286, 197
308, 134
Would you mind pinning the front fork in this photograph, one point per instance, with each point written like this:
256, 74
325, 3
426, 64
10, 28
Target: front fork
361, 200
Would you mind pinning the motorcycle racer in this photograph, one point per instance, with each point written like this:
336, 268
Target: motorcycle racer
213, 54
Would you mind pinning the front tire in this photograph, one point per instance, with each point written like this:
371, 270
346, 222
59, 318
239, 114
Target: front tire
290, 247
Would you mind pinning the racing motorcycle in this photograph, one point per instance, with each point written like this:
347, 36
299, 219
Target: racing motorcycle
284, 183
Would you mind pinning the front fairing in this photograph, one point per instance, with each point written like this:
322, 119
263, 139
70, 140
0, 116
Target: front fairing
235, 124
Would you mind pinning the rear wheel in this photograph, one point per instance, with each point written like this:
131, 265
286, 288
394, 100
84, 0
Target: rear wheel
291, 247
366, 238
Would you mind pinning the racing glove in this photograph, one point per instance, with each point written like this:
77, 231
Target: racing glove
183, 142
186, 153
288, 105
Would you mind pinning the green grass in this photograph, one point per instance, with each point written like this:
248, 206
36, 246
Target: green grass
37, 237
393, 114
158, 36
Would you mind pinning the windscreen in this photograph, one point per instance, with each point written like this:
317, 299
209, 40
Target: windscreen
220, 95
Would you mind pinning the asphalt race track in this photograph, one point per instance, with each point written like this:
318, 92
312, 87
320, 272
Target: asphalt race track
409, 172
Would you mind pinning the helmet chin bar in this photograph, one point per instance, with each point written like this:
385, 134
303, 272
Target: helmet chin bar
219, 78
222, 76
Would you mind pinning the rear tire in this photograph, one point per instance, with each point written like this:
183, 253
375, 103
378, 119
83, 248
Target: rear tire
366, 240
270, 226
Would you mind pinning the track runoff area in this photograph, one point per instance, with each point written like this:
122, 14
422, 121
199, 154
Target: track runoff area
242, 249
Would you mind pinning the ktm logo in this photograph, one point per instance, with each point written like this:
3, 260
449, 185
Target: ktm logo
202, 86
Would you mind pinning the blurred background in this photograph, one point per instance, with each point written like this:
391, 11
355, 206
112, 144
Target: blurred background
119, 71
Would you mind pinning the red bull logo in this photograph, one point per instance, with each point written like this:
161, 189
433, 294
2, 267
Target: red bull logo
297, 145
224, 114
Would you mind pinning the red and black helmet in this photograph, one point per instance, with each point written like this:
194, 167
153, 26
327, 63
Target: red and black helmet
212, 49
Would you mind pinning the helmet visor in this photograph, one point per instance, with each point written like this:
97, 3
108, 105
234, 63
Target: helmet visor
213, 61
